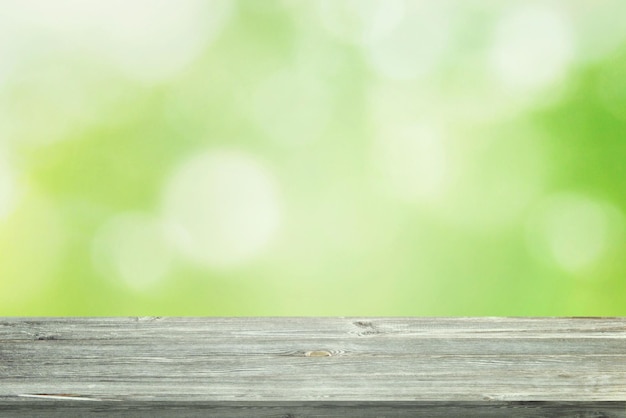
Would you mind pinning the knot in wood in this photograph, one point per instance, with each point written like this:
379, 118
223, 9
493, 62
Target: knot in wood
318, 353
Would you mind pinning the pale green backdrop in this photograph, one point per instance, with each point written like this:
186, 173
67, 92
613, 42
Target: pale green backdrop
312, 157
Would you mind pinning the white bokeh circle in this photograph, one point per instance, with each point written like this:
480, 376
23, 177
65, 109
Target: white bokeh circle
222, 208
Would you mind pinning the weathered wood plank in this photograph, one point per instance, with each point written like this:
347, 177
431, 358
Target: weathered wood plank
314, 366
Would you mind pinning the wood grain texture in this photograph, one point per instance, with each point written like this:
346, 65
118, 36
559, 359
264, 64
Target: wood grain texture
288, 367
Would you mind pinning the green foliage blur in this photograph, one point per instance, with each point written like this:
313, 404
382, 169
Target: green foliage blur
313, 157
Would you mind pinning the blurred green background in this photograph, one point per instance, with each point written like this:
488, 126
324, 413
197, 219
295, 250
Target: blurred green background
312, 157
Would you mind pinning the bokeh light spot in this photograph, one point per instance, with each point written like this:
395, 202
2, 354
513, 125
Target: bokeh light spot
222, 208
573, 231
533, 46
131, 249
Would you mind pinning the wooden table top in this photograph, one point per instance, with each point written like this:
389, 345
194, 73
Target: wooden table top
313, 366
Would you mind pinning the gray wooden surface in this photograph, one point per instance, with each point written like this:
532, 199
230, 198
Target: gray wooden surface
289, 367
